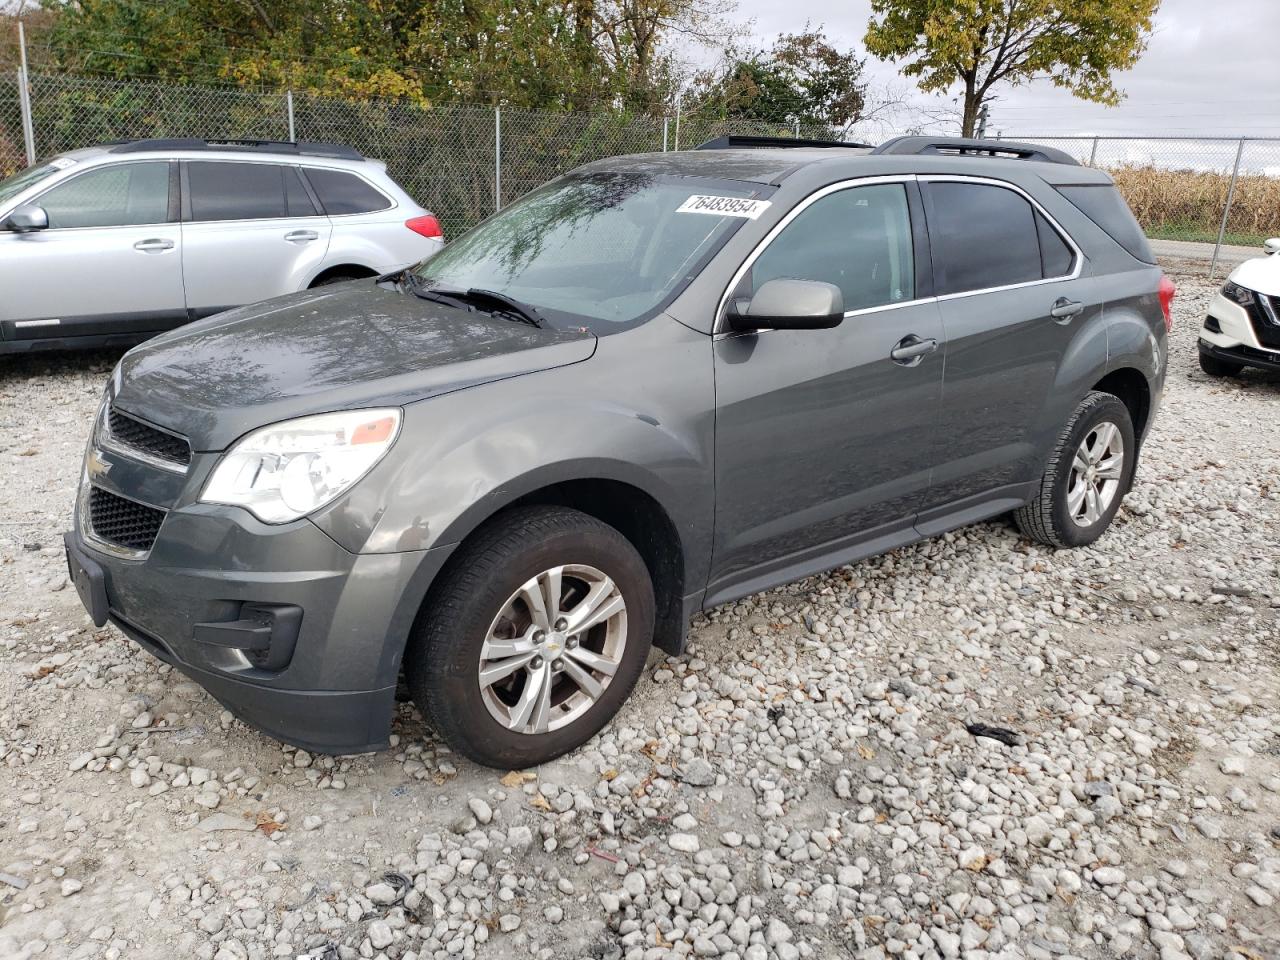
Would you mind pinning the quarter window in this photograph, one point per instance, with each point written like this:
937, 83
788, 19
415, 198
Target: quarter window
342, 192
985, 236
120, 195
858, 239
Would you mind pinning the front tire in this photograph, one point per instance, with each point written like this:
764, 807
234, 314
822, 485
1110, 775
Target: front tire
1215, 367
534, 637
1088, 474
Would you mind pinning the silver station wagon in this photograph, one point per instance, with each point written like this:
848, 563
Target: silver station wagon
113, 244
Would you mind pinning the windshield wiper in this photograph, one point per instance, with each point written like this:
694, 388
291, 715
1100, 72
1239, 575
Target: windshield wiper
506, 306
526, 312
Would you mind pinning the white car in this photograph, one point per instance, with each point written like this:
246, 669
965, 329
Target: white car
1242, 328
110, 245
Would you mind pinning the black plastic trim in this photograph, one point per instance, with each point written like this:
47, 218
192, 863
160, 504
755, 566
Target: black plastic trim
300, 148
972, 147
743, 142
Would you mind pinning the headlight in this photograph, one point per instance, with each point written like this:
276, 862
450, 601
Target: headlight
290, 469
1237, 293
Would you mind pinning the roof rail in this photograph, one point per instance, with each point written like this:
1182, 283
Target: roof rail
737, 142
968, 147
303, 148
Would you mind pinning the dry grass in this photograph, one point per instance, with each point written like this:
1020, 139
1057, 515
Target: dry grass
1189, 203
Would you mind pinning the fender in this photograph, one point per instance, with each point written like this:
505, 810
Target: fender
464, 456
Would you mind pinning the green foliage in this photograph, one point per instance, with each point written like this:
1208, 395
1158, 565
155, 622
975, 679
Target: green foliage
801, 79
981, 43
539, 53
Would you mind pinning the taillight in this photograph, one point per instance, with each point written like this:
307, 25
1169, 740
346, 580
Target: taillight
1167, 291
427, 226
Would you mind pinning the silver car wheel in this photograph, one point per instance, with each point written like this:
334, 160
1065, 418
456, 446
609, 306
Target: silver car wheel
1096, 471
553, 649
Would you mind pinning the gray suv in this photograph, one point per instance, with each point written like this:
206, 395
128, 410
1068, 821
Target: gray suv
654, 385
111, 244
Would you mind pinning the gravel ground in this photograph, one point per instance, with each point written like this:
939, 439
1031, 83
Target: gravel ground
808, 782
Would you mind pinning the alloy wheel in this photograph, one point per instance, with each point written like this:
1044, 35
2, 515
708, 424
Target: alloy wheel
1096, 471
553, 648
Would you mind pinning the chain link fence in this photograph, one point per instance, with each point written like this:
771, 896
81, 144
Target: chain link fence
460, 161
464, 161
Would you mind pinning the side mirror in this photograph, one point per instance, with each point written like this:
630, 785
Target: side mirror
785, 304
1272, 245
27, 219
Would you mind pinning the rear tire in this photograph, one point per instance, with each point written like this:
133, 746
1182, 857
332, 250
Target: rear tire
1088, 474
507, 681
1216, 367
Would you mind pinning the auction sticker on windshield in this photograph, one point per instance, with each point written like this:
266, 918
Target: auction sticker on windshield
724, 206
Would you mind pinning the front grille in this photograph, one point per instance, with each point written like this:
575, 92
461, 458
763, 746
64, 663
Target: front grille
123, 522
134, 433
1264, 315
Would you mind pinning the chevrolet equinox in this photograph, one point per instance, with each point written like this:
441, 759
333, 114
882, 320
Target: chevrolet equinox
654, 385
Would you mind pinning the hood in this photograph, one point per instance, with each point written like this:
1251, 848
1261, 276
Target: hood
1261, 274
337, 348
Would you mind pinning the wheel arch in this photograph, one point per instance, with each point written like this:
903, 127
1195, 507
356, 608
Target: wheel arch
353, 270
633, 507
1130, 386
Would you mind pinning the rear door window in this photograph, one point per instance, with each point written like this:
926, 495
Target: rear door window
119, 195
982, 236
1055, 256
342, 193
297, 200
237, 191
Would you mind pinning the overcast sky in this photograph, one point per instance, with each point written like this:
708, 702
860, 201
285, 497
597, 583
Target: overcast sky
1212, 68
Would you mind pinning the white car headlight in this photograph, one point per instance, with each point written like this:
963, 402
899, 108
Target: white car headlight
287, 470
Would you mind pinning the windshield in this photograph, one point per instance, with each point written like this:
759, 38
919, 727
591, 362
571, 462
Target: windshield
597, 246
12, 186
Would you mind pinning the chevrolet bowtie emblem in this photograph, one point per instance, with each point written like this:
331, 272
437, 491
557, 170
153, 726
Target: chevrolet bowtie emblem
96, 465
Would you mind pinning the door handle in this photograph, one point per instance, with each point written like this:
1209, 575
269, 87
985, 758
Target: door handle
911, 349
153, 245
301, 236
1064, 309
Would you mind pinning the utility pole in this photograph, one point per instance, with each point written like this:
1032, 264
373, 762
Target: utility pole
982, 122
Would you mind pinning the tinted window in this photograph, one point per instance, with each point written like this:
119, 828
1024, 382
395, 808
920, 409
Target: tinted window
297, 200
1103, 204
982, 236
341, 192
120, 195
236, 191
857, 239
1055, 256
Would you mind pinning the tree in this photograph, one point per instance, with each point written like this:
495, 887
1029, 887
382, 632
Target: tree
803, 79
530, 53
981, 43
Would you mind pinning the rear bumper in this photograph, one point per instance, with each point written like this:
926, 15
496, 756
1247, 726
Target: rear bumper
291, 633
1249, 356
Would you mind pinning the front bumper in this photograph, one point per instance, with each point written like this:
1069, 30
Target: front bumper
1239, 353
292, 633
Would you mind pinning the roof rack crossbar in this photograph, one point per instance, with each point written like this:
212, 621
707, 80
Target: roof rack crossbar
304, 148
971, 147
747, 142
